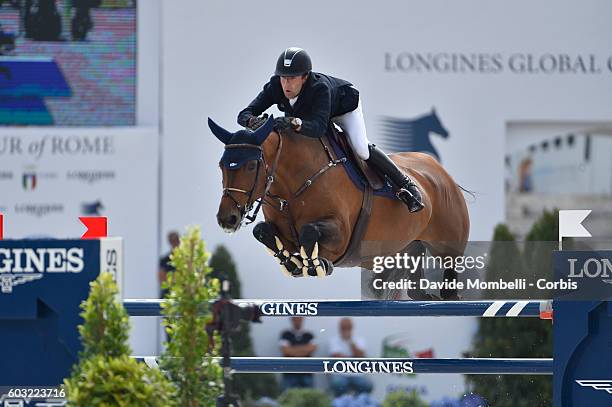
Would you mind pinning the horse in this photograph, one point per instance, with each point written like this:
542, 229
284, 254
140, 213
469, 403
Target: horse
311, 207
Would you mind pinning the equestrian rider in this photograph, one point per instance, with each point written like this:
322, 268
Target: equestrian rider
310, 101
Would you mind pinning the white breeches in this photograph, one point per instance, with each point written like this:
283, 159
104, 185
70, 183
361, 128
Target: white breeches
354, 124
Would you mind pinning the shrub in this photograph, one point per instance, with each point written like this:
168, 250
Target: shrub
304, 398
106, 374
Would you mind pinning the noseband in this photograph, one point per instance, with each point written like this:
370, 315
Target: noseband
248, 206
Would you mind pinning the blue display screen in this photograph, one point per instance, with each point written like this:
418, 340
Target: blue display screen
68, 63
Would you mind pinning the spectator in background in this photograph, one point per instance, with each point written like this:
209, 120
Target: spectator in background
346, 345
165, 265
526, 175
82, 23
296, 342
7, 45
42, 21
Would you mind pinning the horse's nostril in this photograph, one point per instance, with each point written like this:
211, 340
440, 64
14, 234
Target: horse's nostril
227, 221
232, 220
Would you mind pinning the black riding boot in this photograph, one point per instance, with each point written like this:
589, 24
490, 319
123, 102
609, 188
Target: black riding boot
407, 191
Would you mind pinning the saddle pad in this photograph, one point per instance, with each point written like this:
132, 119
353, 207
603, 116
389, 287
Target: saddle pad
353, 172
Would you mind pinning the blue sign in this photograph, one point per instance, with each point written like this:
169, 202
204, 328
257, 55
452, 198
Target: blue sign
42, 283
582, 332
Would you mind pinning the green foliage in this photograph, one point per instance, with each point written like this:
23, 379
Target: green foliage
504, 260
403, 399
255, 386
503, 234
546, 228
517, 337
224, 268
106, 374
542, 240
304, 398
118, 381
188, 359
105, 330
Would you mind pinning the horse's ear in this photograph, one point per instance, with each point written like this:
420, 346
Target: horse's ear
433, 109
223, 135
262, 133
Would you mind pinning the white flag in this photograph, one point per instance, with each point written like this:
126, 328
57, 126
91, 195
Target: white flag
570, 224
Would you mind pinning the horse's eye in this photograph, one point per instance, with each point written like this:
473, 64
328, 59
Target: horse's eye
251, 166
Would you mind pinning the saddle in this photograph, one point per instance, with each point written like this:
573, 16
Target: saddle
339, 141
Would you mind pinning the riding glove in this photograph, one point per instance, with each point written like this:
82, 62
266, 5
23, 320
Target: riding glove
255, 122
286, 123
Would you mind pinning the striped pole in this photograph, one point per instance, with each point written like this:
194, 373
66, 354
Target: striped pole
353, 308
498, 366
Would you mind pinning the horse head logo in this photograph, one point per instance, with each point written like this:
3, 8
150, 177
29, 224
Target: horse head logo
243, 169
412, 134
92, 208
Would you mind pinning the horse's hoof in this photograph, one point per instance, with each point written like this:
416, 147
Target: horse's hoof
289, 263
321, 268
324, 268
329, 266
299, 272
292, 264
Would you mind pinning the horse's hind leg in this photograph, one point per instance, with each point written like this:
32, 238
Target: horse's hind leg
311, 234
444, 250
416, 249
267, 234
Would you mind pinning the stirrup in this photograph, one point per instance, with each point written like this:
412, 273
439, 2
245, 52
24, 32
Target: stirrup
406, 197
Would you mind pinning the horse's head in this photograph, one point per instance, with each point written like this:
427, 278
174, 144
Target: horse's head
244, 171
436, 125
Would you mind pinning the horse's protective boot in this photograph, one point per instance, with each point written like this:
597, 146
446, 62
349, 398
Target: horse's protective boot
407, 190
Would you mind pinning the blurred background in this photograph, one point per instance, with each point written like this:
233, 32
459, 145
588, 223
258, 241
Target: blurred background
103, 108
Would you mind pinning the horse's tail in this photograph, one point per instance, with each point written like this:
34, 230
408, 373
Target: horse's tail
467, 191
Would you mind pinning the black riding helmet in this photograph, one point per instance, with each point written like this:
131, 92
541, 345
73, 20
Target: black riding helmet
293, 62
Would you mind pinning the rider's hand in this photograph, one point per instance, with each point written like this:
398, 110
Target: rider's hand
286, 123
255, 122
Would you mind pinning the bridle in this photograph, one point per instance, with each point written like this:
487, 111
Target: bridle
261, 161
248, 218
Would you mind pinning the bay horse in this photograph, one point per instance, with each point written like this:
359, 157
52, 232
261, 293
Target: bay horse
311, 206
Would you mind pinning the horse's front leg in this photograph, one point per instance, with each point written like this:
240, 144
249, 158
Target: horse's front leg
311, 234
267, 234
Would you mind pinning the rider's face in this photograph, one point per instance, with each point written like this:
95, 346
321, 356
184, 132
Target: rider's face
292, 85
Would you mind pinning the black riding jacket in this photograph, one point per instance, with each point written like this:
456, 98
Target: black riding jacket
322, 97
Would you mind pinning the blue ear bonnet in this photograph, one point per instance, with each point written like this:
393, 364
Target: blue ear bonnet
234, 158
243, 145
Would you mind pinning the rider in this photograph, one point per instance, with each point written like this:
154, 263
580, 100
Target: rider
311, 100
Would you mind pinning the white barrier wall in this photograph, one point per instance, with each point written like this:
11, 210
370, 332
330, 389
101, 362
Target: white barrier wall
480, 64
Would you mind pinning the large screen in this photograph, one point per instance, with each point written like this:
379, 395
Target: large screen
68, 62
